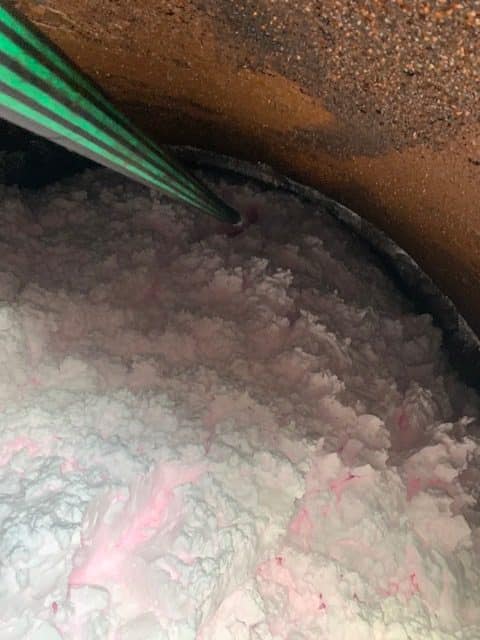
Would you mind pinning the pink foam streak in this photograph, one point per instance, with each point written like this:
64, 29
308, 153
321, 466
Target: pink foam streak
338, 486
407, 583
147, 521
303, 600
405, 588
416, 484
69, 465
9, 448
152, 508
302, 527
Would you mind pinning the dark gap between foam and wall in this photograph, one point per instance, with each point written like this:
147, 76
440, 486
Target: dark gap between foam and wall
460, 342
31, 162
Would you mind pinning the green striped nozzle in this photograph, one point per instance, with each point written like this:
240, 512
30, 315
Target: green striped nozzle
43, 92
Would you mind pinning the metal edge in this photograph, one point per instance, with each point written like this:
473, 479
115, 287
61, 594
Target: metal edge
461, 343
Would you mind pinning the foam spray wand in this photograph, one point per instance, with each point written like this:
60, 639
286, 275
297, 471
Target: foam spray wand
42, 91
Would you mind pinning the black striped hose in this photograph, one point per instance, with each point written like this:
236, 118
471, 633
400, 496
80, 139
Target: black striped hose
40, 90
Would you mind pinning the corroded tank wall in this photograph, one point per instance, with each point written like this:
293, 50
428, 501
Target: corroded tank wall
375, 103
